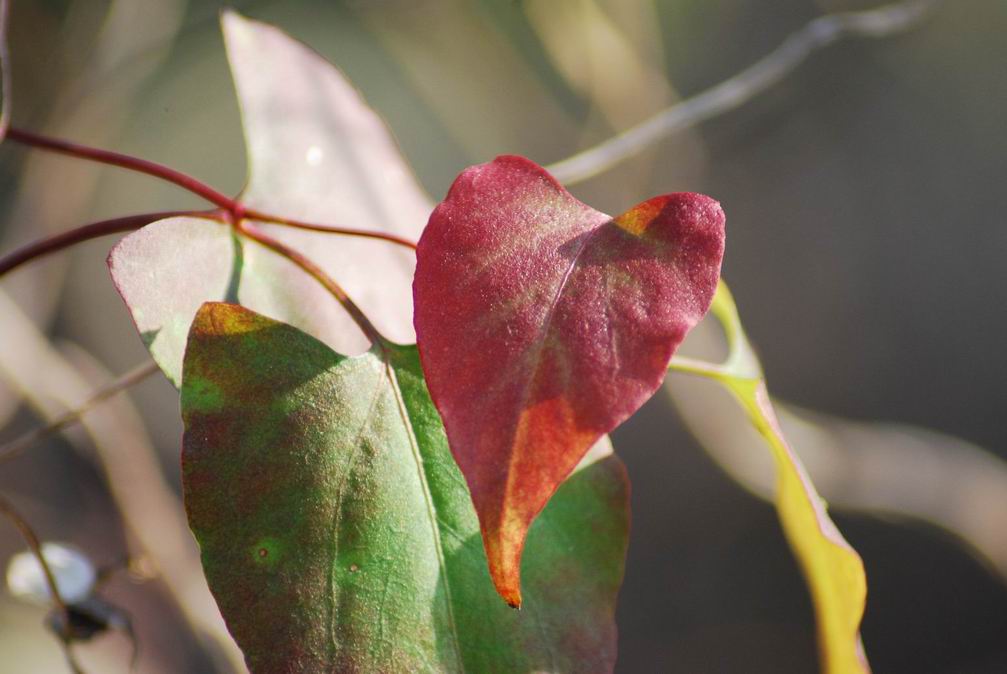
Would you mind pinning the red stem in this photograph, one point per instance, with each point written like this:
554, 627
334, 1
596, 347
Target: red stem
329, 229
232, 206
233, 209
315, 271
97, 229
125, 161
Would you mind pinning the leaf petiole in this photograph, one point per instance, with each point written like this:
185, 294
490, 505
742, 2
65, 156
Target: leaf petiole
327, 282
328, 229
125, 161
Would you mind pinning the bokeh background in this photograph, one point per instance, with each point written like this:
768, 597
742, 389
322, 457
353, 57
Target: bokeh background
866, 236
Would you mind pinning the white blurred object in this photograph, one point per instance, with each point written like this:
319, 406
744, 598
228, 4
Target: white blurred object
74, 573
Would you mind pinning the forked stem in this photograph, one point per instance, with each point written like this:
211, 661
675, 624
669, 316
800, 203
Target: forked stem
233, 206
231, 210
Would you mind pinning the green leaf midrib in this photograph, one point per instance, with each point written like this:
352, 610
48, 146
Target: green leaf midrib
436, 523
431, 508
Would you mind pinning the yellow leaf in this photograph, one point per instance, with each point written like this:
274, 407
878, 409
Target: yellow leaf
832, 569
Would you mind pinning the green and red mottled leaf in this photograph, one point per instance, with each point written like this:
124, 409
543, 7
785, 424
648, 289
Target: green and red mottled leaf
543, 324
338, 535
316, 152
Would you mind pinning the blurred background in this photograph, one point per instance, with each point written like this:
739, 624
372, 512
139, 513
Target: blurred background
866, 236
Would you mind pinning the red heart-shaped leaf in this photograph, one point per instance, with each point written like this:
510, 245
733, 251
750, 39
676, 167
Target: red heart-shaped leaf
543, 324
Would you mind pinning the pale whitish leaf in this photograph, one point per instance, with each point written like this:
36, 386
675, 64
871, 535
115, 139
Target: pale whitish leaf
316, 152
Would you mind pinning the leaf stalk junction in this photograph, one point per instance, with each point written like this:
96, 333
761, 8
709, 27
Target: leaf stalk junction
229, 211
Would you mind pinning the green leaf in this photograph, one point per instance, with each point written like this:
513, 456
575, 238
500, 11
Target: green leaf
316, 152
337, 533
832, 569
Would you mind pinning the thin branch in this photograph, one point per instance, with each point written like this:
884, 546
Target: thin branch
328, 229
94, 230
28, 534
757, 78
8, 510
6, 507
125, 161
316, 272
151, 510
71, 659
64, 421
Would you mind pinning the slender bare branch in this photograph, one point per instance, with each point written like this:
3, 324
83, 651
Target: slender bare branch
8, 510
29, 536
151, 510
734, 92
64, 421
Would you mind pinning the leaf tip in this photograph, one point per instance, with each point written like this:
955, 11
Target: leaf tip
236, 26
511, 593
230, 17
504, 543
224, 319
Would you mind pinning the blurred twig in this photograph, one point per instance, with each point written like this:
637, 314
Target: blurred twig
729, 94
64, 421
151, 510
29, 536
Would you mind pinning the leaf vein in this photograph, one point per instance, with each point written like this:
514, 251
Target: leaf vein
536, 355
431, 510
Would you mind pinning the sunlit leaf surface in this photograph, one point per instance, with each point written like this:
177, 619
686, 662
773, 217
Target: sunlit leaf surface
316, 152
338, 535
833, 570
542, 324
